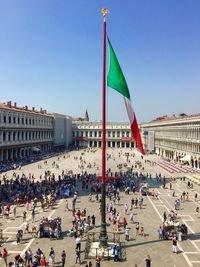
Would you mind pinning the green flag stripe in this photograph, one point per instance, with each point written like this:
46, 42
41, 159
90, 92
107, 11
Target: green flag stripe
115, 78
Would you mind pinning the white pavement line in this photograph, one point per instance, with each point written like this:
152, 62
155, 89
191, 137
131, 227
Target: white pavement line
195, 245
9, 239
180, 248
14, 251
32, 240
155, 208
184, 221
169, 204
158, 191
195, 261
191, 252
9, 233
185, 215
190, 219
14, 227
185, 256
179, 190
167, 208
27, 246
5, 229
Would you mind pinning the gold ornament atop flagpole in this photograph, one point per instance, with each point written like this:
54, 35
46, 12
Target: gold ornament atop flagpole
104, 11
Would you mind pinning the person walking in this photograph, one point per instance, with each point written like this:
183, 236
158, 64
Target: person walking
43, 262
33, 214
125, 209
14, 211
174, 244
160, 233
142, 230
127, 233
137, 228
131, 218
63, 258
5, 256
51, 257
78, 243
148, 261
78, 256
30, 257
197, 211
98, 262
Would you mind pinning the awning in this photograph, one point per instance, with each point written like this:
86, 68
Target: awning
35, 149
186, 158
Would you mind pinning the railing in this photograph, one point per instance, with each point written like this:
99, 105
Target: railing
112, 238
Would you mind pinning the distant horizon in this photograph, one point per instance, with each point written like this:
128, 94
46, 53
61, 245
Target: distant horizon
96, 120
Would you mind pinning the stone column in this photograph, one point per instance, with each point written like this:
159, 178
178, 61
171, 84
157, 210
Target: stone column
11, 153
6, 137
1, 137
6, 154
1, 155
11, 136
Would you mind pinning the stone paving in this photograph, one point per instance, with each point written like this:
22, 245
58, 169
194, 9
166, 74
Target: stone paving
151, 215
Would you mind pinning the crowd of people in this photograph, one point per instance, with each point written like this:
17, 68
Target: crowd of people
33, 192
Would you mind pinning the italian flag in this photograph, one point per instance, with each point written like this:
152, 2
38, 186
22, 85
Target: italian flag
117, 81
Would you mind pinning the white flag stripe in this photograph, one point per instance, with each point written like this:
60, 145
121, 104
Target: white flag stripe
129, 109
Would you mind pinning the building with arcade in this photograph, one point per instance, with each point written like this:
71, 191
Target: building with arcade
88, 134
176, 137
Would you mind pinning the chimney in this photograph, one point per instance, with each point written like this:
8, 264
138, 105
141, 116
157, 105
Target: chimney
33, 108
45, 111
9, 104
26, 107
41, 110
15, 104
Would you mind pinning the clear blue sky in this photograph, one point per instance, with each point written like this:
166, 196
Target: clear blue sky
51, 55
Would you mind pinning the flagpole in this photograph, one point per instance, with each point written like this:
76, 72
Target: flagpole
103, 232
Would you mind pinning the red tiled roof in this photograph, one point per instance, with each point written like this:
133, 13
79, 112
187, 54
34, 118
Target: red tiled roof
23, 109
167, 118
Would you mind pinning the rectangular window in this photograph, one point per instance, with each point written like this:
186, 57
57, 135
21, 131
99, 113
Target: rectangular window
4, 119
14, 120
90, 133
100, 134
9, 119
118, 134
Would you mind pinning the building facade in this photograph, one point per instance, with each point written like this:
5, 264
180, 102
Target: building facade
175, 138
62, 131
88, 134
24, 131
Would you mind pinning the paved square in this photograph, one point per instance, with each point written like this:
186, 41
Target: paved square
150, 215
